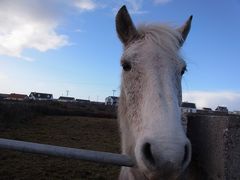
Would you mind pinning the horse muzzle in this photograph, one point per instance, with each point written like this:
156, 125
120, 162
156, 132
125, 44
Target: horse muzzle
163, 159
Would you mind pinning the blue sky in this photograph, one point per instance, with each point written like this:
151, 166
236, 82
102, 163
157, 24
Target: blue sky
58, 45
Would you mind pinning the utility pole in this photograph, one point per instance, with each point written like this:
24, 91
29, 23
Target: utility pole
67, 92
113, 91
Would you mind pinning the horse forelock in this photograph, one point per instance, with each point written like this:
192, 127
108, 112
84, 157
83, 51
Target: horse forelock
164, 36
162, 39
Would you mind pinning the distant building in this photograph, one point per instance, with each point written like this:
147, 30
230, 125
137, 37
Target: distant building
188, 107
236, 112
222, 109
83, 101
111, 100
97, 103
66, 99
3, 96
40, 96
207, 109
17, 97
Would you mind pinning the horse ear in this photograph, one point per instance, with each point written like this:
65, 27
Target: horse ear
125, 28
184, 30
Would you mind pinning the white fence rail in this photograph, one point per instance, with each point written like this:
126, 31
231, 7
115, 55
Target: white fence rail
66, 152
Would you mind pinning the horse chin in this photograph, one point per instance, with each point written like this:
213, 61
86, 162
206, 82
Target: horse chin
161, 175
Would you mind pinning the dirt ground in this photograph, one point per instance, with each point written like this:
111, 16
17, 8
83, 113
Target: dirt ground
78, 132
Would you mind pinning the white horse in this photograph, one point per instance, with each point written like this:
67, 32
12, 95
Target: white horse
149, 107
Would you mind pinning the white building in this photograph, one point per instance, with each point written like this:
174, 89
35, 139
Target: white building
222, 109
66, 99
111, 100
188, 107
40, 96
236, 112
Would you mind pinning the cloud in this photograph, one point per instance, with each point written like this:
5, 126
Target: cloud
136, 6
3, 77
79, 30
161, 1
85, 5
213, 99
28, 24
33, 24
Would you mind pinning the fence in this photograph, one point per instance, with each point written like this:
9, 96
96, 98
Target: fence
215, 148
94, 156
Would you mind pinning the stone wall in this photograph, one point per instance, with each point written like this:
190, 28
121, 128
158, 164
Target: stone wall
215, 147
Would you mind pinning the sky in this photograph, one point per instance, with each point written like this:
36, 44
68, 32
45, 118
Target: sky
60, 46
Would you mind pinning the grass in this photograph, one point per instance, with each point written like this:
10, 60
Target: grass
72, 131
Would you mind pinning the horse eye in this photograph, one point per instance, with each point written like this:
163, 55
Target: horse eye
183, 70
126, 66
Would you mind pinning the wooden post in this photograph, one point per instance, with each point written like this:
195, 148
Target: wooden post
215, 146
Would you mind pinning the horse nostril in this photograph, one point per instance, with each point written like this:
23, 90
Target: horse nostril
187, 154
147, 154
170, 158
